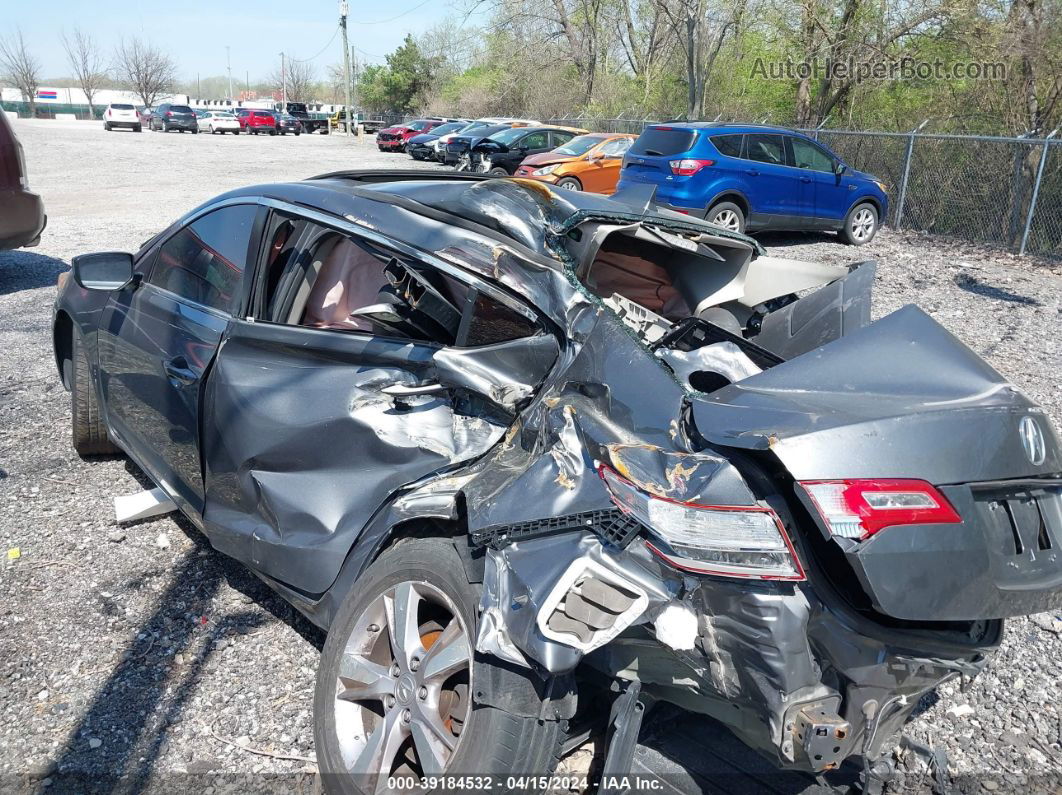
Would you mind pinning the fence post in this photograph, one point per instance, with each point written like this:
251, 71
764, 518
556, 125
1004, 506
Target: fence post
906, 173
823, 124
1036, 191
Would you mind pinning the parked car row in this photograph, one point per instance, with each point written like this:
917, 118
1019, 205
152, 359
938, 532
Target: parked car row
182, 118
744, 178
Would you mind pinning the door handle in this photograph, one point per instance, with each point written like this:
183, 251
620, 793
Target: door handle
752, 172
805, 179
405, 390
178, 370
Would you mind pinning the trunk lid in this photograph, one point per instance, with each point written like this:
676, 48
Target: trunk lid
903, 398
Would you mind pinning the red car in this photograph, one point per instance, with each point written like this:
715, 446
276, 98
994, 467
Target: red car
22, 216
254, 121
393, 139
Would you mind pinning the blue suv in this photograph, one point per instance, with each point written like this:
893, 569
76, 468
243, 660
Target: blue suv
750, 178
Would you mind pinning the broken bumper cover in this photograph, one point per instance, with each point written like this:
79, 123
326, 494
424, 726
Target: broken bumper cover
789, 676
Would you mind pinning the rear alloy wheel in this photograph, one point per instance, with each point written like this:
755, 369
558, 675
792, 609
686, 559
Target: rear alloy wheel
860, 225
727, 215
88, 433
498, 171
569, 183
399, 675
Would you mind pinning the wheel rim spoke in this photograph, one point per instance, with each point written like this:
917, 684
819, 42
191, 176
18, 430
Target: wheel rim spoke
378, 755
432, 751
363, 680
448, 654
402, 623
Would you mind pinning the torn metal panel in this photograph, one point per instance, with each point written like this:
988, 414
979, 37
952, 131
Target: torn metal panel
526, 581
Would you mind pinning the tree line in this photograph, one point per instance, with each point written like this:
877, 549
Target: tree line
985, 66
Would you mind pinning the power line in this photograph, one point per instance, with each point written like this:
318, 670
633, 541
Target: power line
320, 51
399, 16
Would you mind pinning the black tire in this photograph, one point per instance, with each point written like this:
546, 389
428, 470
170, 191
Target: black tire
235, 132
860, 225
195, 131
273, 132
493, 741
89, 435
106, 126
731, 216
138, 128
498, 171
569, 183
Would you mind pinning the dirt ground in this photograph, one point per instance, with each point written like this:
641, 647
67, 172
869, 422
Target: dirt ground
140, 654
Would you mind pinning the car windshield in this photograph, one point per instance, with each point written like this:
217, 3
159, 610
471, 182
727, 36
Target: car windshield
418, 125
579, 145
508, 135
450, 127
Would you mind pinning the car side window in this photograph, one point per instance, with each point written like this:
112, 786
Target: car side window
535, 140
617, 148
204, 260
808, 155
561, 138
344, 283
729, 145
765, 148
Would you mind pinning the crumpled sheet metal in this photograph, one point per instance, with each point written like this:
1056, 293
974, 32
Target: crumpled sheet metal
611, 404
518, 578
724, 358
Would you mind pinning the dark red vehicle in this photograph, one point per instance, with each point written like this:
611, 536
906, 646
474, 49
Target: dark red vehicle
393, 139
22, 215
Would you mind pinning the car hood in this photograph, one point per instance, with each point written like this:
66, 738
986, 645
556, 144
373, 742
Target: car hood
900, 398
423, 138
547, 159
394, 129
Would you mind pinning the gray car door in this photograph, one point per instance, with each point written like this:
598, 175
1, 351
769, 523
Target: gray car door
339, 395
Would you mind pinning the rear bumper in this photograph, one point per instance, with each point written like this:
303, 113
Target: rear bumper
22, 220
132, 123
180, 124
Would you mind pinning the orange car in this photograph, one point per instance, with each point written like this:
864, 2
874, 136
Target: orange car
589, 162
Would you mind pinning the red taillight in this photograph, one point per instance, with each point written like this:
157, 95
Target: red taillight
687, 167
860, 508
169, 113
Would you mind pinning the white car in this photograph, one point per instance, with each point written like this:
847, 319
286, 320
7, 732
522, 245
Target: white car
118, 114
219, 121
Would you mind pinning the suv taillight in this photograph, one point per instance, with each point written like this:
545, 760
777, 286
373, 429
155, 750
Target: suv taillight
169, 113
860, 508
687, 167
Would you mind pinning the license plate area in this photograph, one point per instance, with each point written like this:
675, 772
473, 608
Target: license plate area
1023, 525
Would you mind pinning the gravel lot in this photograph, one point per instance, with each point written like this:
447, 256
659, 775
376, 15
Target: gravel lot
140, 653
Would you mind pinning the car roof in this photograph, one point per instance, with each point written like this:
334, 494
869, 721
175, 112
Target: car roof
458, 199
722, 127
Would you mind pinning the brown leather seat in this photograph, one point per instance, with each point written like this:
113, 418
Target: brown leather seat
349, 278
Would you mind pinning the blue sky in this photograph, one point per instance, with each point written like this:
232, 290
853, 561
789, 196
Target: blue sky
195, 32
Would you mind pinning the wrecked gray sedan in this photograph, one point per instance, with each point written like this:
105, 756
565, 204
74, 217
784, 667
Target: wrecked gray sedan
526, 453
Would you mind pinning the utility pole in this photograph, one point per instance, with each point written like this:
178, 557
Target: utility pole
283, 86
228, 65
343, 8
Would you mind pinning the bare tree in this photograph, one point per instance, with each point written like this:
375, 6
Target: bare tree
301, 79
86, 60
145, 70
19, 68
